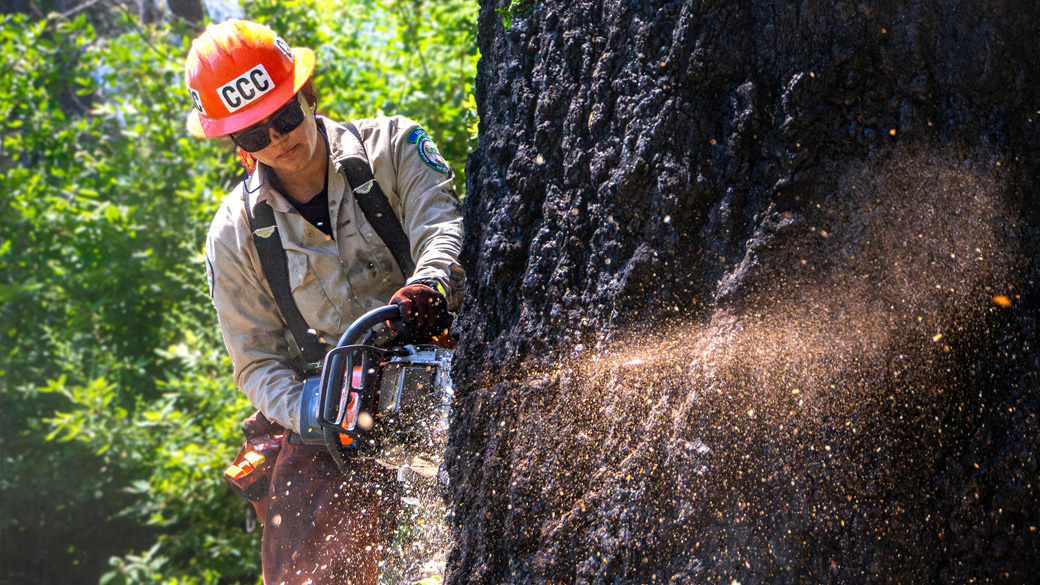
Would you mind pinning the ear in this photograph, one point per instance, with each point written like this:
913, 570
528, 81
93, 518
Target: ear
312, 105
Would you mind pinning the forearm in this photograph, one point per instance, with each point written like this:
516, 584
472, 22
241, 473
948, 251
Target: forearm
274, 389
437, 253
264, 367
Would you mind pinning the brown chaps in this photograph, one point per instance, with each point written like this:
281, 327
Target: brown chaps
322, 527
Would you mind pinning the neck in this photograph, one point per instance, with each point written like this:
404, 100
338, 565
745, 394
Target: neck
304, 184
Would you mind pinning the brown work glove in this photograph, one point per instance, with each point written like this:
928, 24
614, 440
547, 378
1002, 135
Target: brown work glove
424, 312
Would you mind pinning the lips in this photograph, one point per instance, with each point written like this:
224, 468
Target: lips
289, 152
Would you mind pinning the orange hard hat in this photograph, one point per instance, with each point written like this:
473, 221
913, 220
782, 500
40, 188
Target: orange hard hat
239, 72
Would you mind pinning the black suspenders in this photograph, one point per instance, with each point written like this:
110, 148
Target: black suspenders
376, 206
377, 210
275, 266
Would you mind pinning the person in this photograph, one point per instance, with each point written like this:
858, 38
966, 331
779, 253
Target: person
246, 83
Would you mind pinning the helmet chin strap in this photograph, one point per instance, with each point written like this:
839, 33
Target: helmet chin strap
250, 164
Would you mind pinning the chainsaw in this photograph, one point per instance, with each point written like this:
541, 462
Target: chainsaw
387, 404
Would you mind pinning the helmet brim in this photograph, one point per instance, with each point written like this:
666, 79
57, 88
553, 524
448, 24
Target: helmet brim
203, 127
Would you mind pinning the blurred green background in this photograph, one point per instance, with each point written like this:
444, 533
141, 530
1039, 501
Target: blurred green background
117, 409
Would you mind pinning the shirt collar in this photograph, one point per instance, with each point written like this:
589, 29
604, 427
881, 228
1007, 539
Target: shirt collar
342, 143
259, 188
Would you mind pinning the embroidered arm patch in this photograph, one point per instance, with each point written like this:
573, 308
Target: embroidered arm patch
428, 151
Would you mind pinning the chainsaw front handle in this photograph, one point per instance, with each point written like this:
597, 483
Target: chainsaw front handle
366, 322
345, 388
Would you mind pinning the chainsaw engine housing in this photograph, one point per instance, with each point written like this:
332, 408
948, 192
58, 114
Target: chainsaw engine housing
388, 405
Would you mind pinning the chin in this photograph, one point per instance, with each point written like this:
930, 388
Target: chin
293, 162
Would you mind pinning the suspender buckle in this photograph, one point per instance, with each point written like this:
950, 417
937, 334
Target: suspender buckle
364, 189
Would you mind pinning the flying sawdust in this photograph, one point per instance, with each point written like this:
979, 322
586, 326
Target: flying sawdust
800, 403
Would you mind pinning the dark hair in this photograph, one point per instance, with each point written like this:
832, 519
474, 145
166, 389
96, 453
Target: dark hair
310, 93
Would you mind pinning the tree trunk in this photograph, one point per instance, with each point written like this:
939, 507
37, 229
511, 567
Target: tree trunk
753, 295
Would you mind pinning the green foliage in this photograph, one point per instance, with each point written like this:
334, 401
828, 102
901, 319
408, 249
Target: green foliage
106, 201
116, 404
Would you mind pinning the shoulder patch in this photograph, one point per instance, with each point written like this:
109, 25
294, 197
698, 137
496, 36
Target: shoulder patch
431, 156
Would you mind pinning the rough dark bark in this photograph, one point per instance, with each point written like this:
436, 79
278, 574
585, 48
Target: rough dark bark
735, 301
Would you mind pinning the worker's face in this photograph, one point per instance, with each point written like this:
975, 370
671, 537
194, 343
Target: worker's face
292, 151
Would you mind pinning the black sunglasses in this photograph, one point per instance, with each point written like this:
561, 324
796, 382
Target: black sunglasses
285, 119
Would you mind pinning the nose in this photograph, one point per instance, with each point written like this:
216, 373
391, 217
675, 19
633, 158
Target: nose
276, 135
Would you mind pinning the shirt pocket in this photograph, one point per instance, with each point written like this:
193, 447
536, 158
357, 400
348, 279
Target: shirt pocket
373, 274
310, 296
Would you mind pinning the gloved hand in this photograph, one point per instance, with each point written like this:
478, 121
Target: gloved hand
420, 305
424, 312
